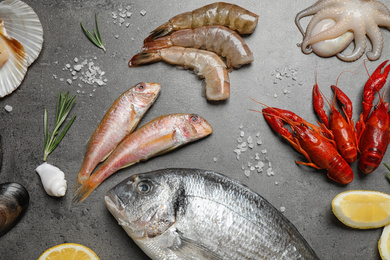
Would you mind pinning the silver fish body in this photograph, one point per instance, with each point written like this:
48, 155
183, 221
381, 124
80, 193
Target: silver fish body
197, 214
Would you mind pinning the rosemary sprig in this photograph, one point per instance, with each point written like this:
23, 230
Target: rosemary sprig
95, 38
388, 167
64, 105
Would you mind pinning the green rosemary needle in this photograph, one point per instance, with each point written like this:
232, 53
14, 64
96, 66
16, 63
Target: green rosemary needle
64, 105
95, 38
388, 167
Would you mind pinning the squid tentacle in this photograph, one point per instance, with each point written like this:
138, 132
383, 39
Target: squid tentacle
375, 36
311, 10
341, 27
360, 44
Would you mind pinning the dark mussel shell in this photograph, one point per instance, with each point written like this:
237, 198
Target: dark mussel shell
1, 155
14, 199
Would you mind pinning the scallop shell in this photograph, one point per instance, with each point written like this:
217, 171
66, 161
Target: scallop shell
22, 24
14, 199
14, 69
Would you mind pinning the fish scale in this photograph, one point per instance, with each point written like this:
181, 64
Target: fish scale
212, 217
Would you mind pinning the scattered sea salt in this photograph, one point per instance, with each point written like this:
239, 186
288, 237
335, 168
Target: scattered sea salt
121, 16
255, 161
85, 71
143, 12
282, 209
8, 108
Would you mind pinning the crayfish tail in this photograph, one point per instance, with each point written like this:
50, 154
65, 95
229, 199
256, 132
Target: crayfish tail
340, 171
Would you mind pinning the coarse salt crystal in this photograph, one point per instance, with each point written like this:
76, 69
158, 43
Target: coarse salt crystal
282, 209
143, 12
77, 67
8, 108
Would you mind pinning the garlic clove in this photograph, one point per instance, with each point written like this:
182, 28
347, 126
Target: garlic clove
53, 179
330, 47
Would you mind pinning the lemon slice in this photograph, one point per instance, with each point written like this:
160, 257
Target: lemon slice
362, 209
384, 243
69, 251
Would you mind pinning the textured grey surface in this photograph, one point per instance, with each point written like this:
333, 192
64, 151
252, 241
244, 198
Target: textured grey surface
305, 193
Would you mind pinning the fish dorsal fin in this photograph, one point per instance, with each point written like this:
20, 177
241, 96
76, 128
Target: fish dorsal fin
189, 249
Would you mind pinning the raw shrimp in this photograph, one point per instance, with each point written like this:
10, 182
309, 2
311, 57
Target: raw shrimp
207, 65
216, 38
219, 13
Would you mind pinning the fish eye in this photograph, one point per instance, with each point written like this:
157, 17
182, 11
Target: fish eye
195, 119
302, 124
144, 187
140, 87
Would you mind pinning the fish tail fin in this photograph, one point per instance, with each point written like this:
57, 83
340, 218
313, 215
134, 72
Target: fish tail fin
144, 57
82, 191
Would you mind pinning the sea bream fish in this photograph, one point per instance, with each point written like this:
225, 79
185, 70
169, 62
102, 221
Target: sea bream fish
197, 214
159, 136
120, 120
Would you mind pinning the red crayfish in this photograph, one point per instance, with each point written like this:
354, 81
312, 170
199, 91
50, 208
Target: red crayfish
310, 141
340, 129
373, 129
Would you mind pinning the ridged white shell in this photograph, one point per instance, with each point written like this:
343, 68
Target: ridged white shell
53, 179
15, 68
330, 47
22, 24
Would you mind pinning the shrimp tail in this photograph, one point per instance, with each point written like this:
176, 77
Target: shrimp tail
143, 58
82, 191
157, 44
159, 32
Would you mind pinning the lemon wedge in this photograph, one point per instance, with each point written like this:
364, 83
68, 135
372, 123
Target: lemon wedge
362, 209
69, 251
384, 243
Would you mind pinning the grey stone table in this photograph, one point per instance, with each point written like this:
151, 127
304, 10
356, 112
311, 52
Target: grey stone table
280, 76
